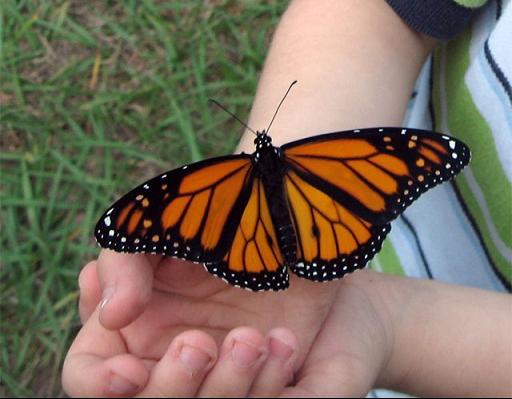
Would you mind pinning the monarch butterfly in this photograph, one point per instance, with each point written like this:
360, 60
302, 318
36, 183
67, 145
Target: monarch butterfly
320, 206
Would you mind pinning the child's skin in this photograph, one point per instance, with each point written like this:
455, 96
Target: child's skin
356, 63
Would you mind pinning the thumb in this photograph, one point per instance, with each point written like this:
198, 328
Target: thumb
126, 282
90, 291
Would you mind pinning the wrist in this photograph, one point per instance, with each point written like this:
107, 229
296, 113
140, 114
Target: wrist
392, 300
380, 300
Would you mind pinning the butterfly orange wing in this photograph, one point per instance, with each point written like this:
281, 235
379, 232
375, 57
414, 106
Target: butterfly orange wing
344, 188
331, 240
254, 259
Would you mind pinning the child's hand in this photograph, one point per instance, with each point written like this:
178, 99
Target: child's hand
247, 364
160, 305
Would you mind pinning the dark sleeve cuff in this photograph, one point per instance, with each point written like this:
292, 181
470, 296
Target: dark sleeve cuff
440, 19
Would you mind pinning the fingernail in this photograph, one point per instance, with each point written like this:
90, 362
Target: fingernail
245, 355
121, 386
107, 295
279, 349
194, 359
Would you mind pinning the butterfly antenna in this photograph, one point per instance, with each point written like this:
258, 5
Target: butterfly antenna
279, 106
232, 114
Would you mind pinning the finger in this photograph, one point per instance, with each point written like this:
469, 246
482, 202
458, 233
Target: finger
241, 356
86, 375
97, 363
183, 367
90, 291
277, 371
126, 282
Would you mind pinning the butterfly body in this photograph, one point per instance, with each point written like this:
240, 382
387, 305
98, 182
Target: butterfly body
320, 207
269, 165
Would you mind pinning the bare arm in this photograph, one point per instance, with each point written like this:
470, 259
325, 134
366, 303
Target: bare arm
356, 63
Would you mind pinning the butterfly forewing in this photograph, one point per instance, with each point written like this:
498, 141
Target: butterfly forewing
191, 212
376, 173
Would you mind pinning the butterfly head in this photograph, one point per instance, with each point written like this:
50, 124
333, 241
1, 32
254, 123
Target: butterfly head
262, 140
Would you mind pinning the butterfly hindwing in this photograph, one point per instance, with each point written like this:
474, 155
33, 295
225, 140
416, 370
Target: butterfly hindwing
331, 240
191, 212
254, 259
377, 173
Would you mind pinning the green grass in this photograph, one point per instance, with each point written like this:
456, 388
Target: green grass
96, 97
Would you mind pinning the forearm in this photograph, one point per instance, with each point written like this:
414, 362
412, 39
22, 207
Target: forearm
356, 63
448, 340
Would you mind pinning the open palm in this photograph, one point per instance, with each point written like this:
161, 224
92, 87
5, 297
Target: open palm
151, 301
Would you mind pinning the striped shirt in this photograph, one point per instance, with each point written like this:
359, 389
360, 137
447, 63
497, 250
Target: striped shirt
461, 232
